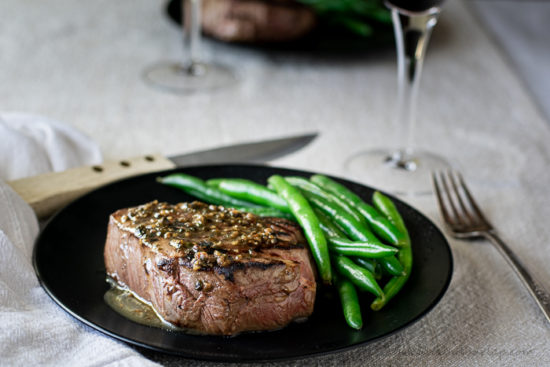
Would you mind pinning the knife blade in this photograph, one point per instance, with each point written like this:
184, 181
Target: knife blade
49, 192
246, 152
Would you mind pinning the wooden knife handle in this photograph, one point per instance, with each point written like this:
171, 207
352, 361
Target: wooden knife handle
49, 192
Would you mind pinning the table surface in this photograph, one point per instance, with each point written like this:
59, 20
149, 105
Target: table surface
521, 30
81, 63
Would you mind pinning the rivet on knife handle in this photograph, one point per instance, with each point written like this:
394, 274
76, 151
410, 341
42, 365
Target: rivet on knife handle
49, 192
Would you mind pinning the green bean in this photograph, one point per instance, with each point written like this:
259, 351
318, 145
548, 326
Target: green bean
371, 265
198, 188
341, 245
392, 287
354, 229
304, 214
395, 284
266, 212
250, 191
392, 265
336, 239
304, 184
344, 246
359, 276
379, 224
382, 226
329, 228
350, 302
312, 189
387, 207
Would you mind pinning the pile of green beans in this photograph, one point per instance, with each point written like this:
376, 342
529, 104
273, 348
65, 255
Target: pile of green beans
356, 246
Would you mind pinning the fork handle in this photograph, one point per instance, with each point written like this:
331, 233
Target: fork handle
537, 291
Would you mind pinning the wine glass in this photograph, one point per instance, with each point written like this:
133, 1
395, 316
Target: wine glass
193, 74
404, 170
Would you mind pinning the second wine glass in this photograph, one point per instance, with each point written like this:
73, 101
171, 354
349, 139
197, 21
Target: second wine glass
404, 170
192, 74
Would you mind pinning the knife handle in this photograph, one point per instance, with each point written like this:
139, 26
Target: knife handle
49, 192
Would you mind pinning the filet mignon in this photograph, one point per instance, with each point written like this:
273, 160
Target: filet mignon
256, 20
211, 269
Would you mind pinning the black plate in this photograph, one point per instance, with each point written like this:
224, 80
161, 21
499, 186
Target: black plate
68, 259
326, 38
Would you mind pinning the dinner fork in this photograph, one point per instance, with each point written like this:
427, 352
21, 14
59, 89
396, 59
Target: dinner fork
464, 220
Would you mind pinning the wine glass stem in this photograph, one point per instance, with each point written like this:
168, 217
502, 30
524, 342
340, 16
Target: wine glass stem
412, 32
191, 15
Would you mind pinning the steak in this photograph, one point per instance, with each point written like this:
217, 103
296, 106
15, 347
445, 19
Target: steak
256, 20
211, 269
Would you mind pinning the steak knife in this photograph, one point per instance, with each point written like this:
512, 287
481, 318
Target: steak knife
49, 192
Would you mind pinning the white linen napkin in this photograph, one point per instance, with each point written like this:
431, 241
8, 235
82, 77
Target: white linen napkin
33, 329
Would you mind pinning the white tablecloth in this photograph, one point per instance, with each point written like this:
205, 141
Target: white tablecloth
80, 62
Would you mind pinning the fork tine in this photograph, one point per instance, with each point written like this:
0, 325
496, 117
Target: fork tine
461, 203
444, 212
449, 194
471, 200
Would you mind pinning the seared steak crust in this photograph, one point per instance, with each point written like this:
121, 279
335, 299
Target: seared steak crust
210, 269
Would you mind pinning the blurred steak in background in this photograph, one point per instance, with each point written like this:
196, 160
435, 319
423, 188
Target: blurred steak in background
256, 20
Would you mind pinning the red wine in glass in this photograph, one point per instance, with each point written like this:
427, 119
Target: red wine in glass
414, 5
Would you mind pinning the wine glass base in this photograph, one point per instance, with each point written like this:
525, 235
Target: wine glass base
196, 77
400, 173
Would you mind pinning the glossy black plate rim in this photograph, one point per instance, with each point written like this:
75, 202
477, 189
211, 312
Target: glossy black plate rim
51, 291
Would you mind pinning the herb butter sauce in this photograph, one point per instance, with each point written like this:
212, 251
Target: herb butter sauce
124, 302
